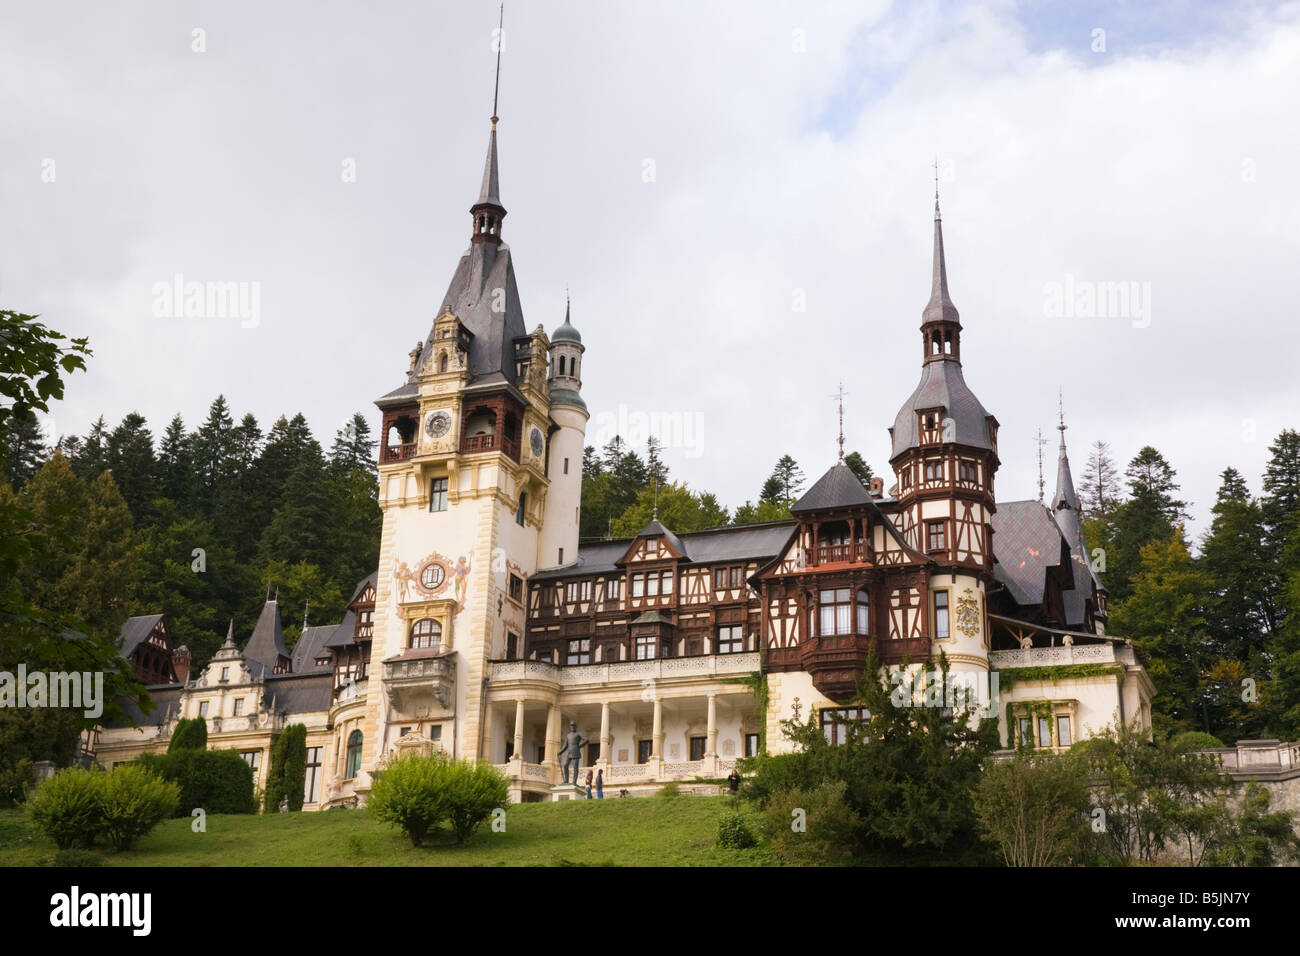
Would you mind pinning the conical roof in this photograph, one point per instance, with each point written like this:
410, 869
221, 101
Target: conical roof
838, 488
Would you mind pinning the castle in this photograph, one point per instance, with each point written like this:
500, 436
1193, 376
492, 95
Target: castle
488, 627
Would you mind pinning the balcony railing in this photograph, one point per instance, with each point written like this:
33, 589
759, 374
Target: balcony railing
478, 443
1052, 656
837, 553
398, 452
630, 671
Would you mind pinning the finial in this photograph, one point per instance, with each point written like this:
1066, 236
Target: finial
1060, 404
936, 187
500, 39
655, 515
1041, 484
304, 615
840, 395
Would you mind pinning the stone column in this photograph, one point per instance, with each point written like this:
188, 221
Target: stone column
606, 742
519, 729
657, 732
489, 728
711, 741
552, 735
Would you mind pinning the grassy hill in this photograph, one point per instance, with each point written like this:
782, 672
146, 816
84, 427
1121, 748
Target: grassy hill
658, 831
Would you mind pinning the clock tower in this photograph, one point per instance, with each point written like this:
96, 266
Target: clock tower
480, 473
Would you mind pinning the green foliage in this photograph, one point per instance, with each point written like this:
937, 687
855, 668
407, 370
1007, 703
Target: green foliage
33, 361
190, 733
670, 789
408, 793
216, 781
1195, 740
69, 807
680, 509
813, 827
288, 772
1255, 837
135, 801
1033, 806
1008, 677
471, 791
734, 832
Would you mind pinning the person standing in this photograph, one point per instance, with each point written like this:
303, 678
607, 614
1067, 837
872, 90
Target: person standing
588, 784
733, 781
600, 784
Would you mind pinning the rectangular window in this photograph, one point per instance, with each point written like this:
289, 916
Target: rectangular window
940, 614
645, 648
666, 581
638, 585
731, 639
516, 589
512, 645
253, 758
697, 748
560, 559
403, 731
934, 471
1026, 731
1044, 732
864, 613
836, 611
435, 733
1062, 730
651, 546
719, 578
579, 651
643, 751
225, 674
566, 466
967, 471
311, 783
652, 585
576, 591
937, 538
438, 494
541, 753
751, 745
203, 708
239, 706
593, 754
613, 589
838, 723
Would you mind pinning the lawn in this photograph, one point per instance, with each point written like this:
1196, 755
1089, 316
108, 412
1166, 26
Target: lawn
653, 831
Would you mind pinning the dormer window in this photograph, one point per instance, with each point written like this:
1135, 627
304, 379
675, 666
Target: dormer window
651, 546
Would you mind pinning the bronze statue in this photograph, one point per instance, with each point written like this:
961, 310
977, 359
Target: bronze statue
573, 744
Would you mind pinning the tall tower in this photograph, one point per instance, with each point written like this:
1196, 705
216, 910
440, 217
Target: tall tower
559, 541
472, 484
945, 458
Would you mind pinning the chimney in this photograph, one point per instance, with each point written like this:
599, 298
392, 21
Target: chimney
181, 663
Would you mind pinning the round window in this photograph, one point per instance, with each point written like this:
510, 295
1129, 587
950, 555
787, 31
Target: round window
432, 576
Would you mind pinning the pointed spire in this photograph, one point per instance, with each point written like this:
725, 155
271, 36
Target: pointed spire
840, 395
1065, 496
488, 211
940, 307
230, 634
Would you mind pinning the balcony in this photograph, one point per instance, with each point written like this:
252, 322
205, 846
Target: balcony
632, 672
836, 661
392, 453
478, 443
1054, 656
414, 684
839, 553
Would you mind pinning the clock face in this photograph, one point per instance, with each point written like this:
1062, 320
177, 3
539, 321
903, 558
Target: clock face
536, 442
436, 425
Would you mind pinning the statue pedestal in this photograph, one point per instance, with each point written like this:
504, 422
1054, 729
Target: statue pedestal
569, 791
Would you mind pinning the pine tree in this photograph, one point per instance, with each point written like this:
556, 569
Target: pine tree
1099, 490
176, 464
1242, 616
1150, 514
790, 477
91, 452
212, 448
656, 470
353, 448
1281, 501
25, 450
858, 465
129, 450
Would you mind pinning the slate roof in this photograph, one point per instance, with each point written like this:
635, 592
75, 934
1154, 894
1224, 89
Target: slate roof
940, 307
1026, 542
838, 488
135, 630
656, 528
300, 693
942, 386
716, 545
166, 698
266, 645
312, 643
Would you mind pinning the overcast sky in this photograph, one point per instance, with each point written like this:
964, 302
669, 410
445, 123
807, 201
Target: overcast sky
738, 195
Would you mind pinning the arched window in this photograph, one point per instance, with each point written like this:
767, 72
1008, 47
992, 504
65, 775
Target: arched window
354, 755
523, 506
426, 633
561, 364
442, 363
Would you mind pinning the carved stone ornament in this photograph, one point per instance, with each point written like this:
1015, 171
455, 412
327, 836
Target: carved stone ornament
968, 614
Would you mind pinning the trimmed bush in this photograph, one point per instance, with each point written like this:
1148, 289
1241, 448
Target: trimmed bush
471, 792
69, 807
190, 734
288, 773
136, 801
216, 781
407, 793
734, 832
1196, 740
418, 793
670, 789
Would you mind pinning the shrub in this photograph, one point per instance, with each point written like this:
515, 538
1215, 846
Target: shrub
1196, 740
69, 807
408, 794
1034, 807
670, 789
812, 827
191, 734
218, 781
288, 772
135, 801
734, 832
78, 858
472, 790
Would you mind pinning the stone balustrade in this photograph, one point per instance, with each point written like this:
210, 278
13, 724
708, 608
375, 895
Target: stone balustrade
625, 671
1054, 656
